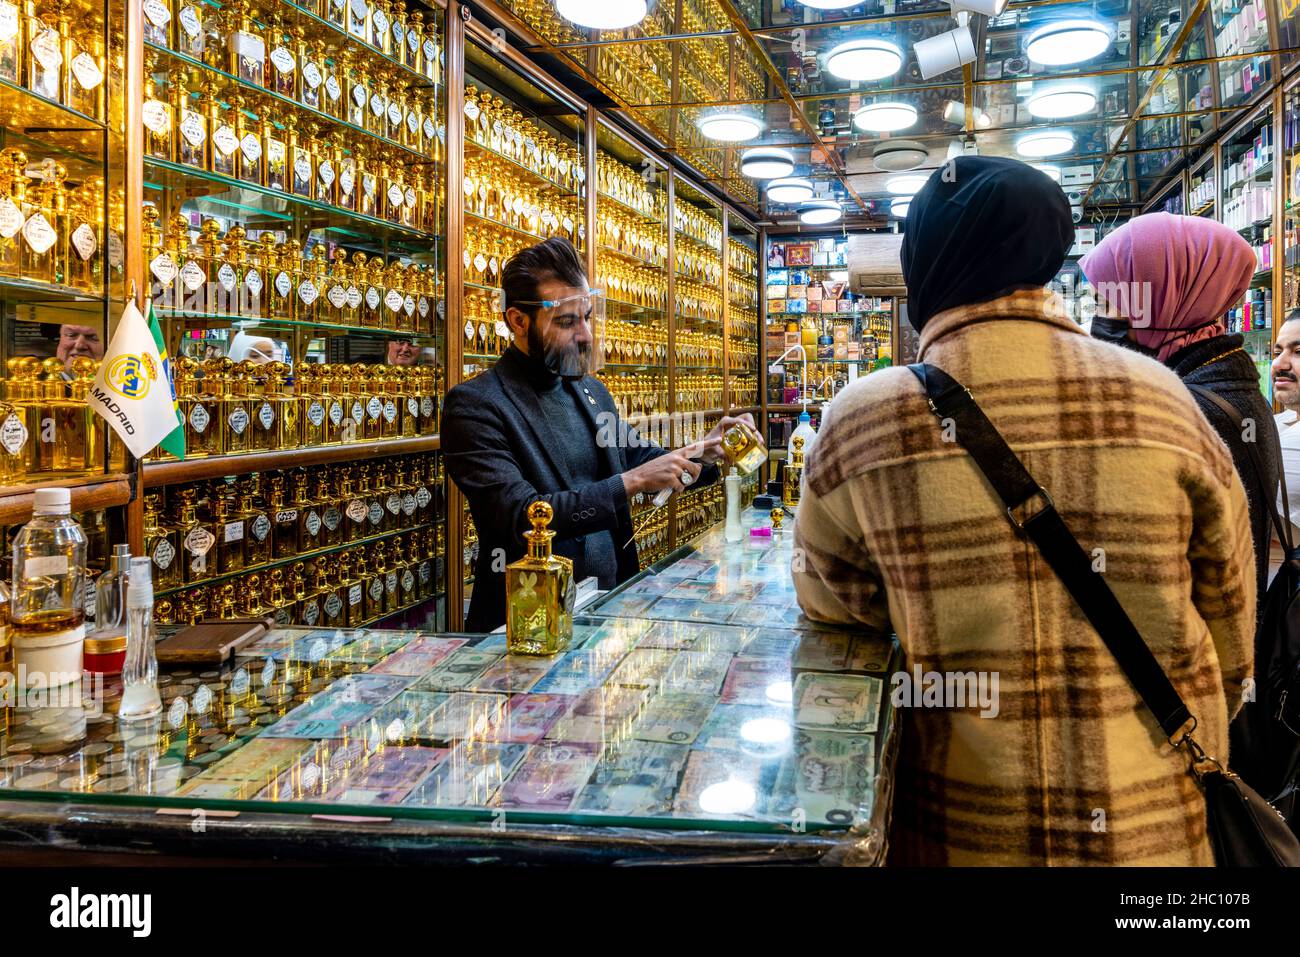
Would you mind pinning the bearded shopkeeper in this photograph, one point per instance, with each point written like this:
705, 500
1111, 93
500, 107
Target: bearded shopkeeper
538, 425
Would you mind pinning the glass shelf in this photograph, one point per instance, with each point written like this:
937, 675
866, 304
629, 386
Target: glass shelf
246, 203
14, 289
496, 224
634, 307
630, 257
474, 148
413, 155
222, 320
413, 77
25, 110
624, 207
691, 240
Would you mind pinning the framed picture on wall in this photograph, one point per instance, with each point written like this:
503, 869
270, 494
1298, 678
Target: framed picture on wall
799, 254
775, 256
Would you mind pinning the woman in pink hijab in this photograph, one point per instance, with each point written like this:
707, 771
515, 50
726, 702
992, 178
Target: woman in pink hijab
1165, 283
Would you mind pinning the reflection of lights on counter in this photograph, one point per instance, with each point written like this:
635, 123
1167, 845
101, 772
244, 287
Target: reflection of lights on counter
396, 730
765, 730
782, 692
727, 797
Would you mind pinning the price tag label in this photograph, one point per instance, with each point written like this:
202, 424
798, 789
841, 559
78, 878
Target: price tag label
266, 415
428, 128
283, 60
374, 407
376, 104
394, 113
359, 95
408, 504
8, 21
358, 412
426, 407
372, 297
326, 172
311, 75
163, 554
332, 518
408, 305
46, 49
189, 20
423, 497
84, 241
347, 179
376, 513
157, 12
233, 532
395, 195
251, 147
40, 235
87, 71
192, 128
198, 541
357, 510
199, 418
332, 88
376, 589
380, 21
238, 421
302, 169
390, 411
312, 523
336, 413
502, 329
225, 140
307, 292
424, 306
412, 123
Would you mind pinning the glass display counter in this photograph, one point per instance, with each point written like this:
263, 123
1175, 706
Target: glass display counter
695, 715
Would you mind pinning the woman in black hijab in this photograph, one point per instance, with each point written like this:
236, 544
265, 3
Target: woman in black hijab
981, 227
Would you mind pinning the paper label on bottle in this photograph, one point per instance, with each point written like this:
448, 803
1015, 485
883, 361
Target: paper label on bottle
354, 297
87, 71
376, 513
408, 305
423, 306
334, 604
163, 554
426, 573
233, 532
189, 20
357, 510
399, 36
332, 88
316, 414
84, 241
412, 407
251, 147
307, 292
394, 112
390, 582
164, 268
192, 128
358, 412
380, 21
390, 411
248, 46
311, 74
423, 497
408, 504
46, 49
376, 589
283, 283
43, 566
410, 196
312, 523
469, 329
266, 415
201, 703
302, 168
395, 195
430, 49
261, 528
376, 104
428, 128
359, 95
225, 140
285, 516
198, 541
426, 407
471, 110
253, 280
338, 296
38, 232
199, 418
408, 580
227, 276
369, 184
8, 22
157, 12
11, 218
326, 172
283, 60
413, 123
393, 300
156, 117
375, 407
336, 413
238, 421
13, 434
179, 709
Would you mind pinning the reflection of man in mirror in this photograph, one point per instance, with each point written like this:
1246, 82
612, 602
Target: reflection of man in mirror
79, 341
403, 352
258, 349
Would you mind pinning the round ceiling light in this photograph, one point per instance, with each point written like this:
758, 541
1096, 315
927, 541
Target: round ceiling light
896, 156
1060, 102
730, 127
899, 207
884, 117
603, 14
1060, 42
819, 212
789, 190
1052, 172
830, 4
766, 162
907, 185
1045, 143
864, 59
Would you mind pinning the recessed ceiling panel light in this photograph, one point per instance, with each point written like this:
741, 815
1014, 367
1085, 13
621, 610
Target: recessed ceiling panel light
1060, 42
603, 14
885, 117
766, 162
1059, 102
730, 127
895, 156
819, 212
907, 185
864, 59
790, 190
1045, 143
899, 207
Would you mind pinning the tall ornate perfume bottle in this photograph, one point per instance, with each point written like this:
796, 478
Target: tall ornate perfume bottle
539, 592
793, 473
743, 448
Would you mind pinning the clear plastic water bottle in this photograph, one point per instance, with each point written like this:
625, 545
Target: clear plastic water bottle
140, 697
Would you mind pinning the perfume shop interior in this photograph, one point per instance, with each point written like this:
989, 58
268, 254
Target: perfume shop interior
306, 209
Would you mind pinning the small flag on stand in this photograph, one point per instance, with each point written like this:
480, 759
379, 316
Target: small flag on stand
133, 389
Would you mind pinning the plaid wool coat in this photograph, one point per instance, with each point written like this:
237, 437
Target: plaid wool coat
899, 528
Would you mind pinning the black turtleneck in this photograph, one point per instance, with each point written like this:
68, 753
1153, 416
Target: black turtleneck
576, 445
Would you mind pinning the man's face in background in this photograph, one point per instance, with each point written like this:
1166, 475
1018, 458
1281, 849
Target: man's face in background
403, 352
79, 341
1286, 365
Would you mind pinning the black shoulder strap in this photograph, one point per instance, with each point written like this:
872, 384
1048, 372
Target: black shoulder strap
1060, 549
1252, 449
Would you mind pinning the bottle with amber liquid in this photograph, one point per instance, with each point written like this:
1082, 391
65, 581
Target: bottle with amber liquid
284, 521
743, 448
311, 596
230, 534
235, 405
84, 73
373, 424
87, 435
257, 526
350, 587
250, 166
274, 154
11, 42
192, 146
279, 274
336, 400
160, 544
345, 196
285, 432
385, 569
156, 114
333, 308
40, 258
230, 273
312, 284
281, 605
44, 68
281, 64
261, 411
311, 405
211, 439
539, 592
225, 127
196, 540
86, 237
191, 29
258, 273
372, 584
331, 515
355, 508
13, 200
247, 46
309, 514
370, 493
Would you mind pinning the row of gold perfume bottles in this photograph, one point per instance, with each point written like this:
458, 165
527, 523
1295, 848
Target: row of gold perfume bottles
50, 230
47, 428
644, 241
640, 393
487, 248
496, 190
234, 407
288, 52
345, 589
743, 356
743, 292
635, 344
226, 526
698, 300
744, 391
631, 187
56, 51
626, 283
494, 124
258, 142
698, 225
743, 261
231, 275
486, 332
695, 262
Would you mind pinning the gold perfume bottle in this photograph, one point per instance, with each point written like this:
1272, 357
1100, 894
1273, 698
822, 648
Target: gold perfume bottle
310, 522
249, 165
257, 526
539, 592
372, 586
355, 509
224, 124
13, 200
334, 306
281, 64
84, 77
234, 402
208, 411
191, 29
160, 545
11, 41
284, 520
743, 448
283, 406
87, 437
45, 48
311, 404
282, 273
308, 609
14, 443
230, 532
274, 154
247, 46
301, 172
331, 515
196, 540
84, 256
39, 258
192, 147
793, 473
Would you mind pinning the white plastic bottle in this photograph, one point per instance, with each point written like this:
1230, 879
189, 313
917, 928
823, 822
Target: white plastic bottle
140, 697
733, 532
47, 610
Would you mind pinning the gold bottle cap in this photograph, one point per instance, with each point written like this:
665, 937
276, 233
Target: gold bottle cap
778, 515
540, 514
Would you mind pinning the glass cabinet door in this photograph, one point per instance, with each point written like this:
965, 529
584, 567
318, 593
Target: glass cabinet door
742, 315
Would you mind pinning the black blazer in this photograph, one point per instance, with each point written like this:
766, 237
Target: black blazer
499, 450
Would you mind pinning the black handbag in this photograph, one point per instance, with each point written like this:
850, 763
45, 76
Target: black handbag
1266, 733
1244, 829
